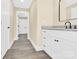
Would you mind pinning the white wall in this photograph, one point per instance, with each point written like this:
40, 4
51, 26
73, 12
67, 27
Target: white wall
41, 14
6, 34
44, 17
33, 23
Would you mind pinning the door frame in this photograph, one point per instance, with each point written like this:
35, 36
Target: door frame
17, 27
17, 18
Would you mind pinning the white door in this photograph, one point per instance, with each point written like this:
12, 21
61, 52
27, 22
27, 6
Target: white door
5, 27
23, 26
22, 23
5, 32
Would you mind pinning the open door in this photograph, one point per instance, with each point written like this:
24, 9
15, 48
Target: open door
5, 27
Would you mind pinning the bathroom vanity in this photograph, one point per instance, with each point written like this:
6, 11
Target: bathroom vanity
59, 43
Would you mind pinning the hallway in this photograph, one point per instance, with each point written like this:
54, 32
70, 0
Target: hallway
22, 49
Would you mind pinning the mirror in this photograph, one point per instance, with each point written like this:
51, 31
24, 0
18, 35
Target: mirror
67, 10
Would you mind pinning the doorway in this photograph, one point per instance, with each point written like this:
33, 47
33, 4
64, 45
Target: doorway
22, 26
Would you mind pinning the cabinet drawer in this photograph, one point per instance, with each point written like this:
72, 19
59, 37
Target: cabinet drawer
46, 33
69, 35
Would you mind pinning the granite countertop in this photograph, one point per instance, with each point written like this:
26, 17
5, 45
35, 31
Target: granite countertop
61, 28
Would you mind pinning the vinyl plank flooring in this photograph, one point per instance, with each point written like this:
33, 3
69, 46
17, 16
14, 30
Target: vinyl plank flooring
22, 49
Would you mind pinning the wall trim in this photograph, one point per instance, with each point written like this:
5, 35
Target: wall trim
3, 54
11, 43
29, 36
7, 48
35, 47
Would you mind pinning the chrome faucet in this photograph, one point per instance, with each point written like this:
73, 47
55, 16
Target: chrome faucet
69, 25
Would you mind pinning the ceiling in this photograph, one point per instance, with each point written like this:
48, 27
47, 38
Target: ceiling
22, 3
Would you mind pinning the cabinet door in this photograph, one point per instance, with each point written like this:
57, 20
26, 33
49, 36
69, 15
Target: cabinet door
64, 49
59, 44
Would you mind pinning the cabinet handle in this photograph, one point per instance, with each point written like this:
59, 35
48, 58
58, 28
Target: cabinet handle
56, 40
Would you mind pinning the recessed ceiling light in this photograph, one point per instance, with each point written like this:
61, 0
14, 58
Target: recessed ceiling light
22, 0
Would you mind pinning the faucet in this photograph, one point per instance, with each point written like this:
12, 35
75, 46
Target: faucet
69, 25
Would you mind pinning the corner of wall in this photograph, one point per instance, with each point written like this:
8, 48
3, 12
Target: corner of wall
35, 46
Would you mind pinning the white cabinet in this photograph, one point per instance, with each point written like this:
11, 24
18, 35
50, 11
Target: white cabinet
60, 44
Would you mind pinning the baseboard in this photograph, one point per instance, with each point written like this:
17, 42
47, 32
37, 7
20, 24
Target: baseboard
35, 47
3, 54
28, 36
16, 38
11, 44
7, 49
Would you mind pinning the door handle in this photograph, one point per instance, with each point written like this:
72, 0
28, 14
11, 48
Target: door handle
8, 27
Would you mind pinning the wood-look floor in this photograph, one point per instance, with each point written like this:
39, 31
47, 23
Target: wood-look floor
22, 49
